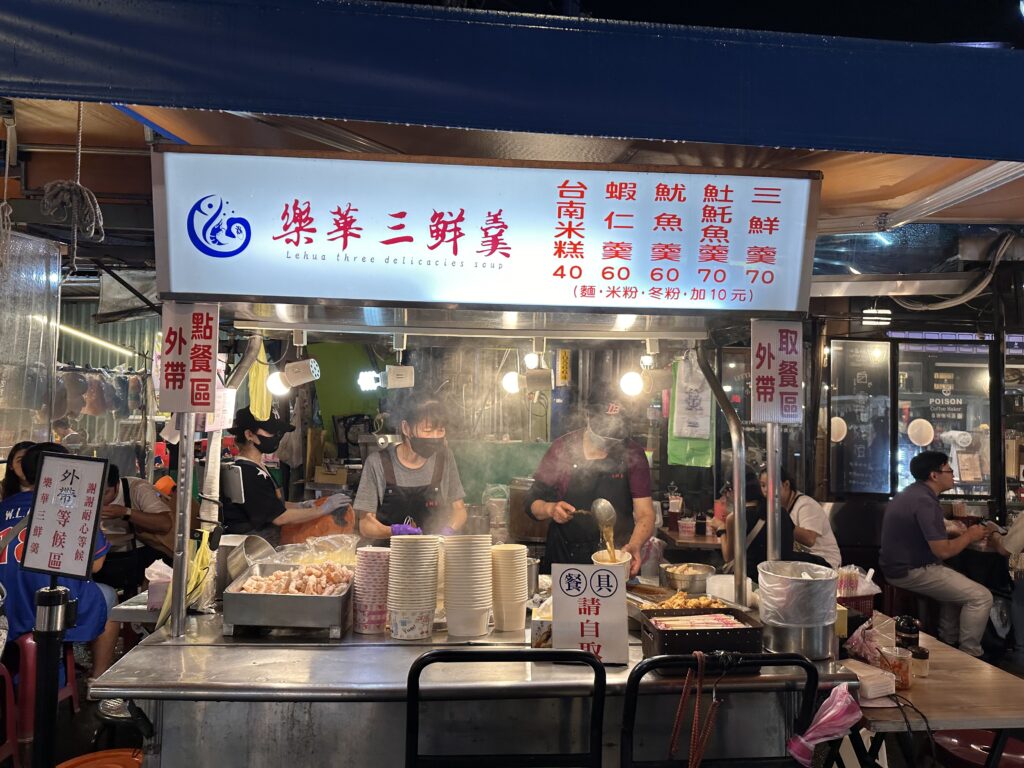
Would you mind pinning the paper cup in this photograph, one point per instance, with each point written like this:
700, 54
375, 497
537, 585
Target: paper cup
621, 563
510, 616
468, 622
411, 624
369, 618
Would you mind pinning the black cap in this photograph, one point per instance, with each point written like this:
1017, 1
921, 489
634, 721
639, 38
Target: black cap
607, 419
275, 425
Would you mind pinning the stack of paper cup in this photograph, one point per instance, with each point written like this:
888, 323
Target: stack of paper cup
412, 586
370, 590
467, 584
510, 592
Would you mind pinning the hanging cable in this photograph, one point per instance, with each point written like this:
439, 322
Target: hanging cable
1000, 248
68, 197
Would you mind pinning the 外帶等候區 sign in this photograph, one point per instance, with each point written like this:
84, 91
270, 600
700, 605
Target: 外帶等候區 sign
61, 532
484, 235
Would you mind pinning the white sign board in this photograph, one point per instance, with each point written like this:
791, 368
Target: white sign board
776, 372
590, 611
61, 531
188, 370
280, 228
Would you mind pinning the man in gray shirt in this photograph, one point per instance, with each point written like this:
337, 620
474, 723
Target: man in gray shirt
914, 544
413, 487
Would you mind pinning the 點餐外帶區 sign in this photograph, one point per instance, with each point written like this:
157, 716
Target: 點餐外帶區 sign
412, 233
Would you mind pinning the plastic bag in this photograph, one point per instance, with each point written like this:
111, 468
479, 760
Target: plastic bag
796, 594
833, 720
652, 555
854, 581
866, 643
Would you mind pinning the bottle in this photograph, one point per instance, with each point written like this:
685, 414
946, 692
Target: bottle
907, 631
919, 661
701, 525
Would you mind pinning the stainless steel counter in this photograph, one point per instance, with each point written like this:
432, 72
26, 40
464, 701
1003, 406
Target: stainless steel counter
294, 689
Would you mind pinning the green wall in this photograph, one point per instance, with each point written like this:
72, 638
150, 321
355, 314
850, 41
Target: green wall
482, 463
339, 395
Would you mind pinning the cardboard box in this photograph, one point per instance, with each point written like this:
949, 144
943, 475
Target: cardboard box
329, 475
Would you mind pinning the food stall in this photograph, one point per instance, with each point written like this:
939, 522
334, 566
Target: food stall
425, 251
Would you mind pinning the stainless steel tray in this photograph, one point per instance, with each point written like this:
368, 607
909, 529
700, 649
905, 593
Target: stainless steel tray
242, 609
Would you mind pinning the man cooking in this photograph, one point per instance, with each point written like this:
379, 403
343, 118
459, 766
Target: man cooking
914, 544
259, 509
599, 461
413, 487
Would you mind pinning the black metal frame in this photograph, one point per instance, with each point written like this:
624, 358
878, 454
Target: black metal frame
717, 663
589, 759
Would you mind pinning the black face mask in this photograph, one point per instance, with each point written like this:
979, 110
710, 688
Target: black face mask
269, 445
426, 446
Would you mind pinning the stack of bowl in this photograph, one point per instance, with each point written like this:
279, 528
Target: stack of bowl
510, 586
412, 586
467, 584
370, 590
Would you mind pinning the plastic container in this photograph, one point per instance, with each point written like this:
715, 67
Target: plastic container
919, 661
897, 660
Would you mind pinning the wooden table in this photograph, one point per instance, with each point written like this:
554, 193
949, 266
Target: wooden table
960, 692
709, 542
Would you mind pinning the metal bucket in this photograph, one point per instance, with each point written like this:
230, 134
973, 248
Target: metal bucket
813, 642
532, 575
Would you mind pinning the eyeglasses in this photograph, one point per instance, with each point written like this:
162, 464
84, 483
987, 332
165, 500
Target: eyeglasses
944, 471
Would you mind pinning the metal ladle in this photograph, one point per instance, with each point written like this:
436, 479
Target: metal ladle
603, 512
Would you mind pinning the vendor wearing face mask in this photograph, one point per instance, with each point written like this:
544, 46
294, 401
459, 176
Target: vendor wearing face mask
599, 461
413, 487
263, 511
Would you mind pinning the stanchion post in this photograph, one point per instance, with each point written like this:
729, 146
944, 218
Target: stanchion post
51, 621
179, 578
773, 472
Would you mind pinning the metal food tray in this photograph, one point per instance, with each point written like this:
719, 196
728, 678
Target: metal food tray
242, 609
658, 642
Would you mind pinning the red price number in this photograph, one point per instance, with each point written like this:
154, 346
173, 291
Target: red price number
670, 275
611, 273
575, 272
765, 276
711, 275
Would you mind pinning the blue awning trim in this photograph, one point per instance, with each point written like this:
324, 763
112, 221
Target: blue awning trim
438, 66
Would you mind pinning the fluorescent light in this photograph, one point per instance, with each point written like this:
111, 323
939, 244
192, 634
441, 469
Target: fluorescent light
646, 361
85, 336
727, 388
874, 316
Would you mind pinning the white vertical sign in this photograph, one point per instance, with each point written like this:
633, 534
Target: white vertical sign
589, 612
188, 372
61, 532
776, 372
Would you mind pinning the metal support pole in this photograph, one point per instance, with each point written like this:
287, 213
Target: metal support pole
774, 481
179, 579
51, 621
739, 479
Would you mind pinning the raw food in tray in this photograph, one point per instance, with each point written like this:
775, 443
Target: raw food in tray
699, 621
326, 579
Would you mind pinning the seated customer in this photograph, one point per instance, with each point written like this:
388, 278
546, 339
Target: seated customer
94, 600
812, 530
914, 544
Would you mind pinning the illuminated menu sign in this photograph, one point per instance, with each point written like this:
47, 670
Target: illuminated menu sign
420, 233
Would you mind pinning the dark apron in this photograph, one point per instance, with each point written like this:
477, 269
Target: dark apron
578, 539
425, 504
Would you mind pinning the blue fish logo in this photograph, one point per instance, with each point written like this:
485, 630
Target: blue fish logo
215, 231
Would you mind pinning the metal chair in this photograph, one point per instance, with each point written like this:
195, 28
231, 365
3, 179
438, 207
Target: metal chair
717, 662
589, 759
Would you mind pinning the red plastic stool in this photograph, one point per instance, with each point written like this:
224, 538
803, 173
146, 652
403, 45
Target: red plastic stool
27, 684
10, 746
110, 758
968, 749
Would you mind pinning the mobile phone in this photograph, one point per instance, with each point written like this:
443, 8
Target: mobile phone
992, 525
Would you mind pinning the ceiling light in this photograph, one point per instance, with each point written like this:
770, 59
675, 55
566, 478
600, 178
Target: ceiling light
531, 360
277, 384
631, 383
875, 316
646, 361
86, 336
368, 381
510, 382
295, 374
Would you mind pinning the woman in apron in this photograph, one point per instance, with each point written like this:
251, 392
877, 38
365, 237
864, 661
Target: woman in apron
579, 467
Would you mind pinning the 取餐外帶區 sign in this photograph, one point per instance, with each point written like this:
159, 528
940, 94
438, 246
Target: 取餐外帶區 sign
481, 235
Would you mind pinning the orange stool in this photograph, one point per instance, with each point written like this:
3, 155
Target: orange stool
27, 684
10, 746
968, 749
110, 758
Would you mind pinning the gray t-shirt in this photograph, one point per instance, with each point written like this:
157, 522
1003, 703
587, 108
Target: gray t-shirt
911, 520
371, 485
